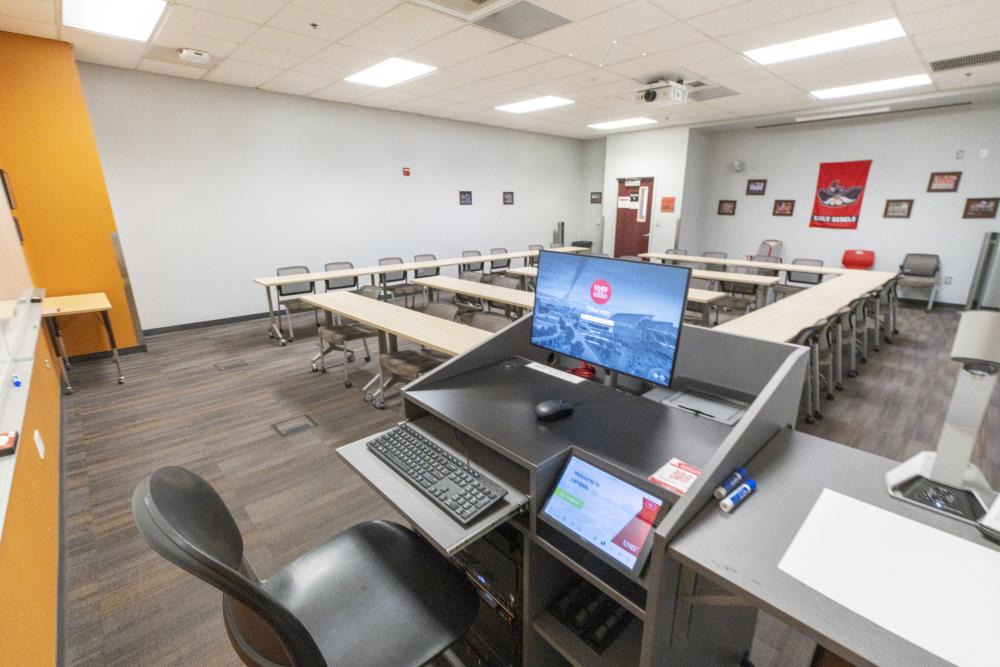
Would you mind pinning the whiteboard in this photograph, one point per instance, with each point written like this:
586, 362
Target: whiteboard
15, 291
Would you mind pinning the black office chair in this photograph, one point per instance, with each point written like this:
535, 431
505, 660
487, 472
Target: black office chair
376, 594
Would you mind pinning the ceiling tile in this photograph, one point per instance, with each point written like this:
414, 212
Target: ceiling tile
776, 33
252, 54
327, 70
189, 19
566, 38
11, 24
552, 87
917, 6
342, 91
411, 20
685, 9
94, 48
448, 79
454, 110
737, 18
793, 8
296, 83
178, 39
484, 88
36, 11
242, 74
724, 65
172, 69
480, 68
520, 78
386, 98
420, 105
846, 16
256, 11
607, 54
302, 19
630, 19
283, 41
472, 41
594, 77
419, 87
957, 34
981, 76
456, 95
438, 56
575, 10
962, 49
352, 10
666, 38
520, 55
560, 67
379, 41
947, 17
348, 56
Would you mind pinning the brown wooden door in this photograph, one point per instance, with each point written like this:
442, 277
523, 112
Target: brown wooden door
632, 222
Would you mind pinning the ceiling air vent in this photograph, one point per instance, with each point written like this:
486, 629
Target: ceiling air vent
522, 20
710, 93
961, 62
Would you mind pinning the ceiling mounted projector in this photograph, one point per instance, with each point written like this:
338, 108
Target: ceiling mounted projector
663, 92
194, 56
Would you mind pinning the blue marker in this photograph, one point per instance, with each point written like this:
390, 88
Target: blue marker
730, 483
738, 496
17, 380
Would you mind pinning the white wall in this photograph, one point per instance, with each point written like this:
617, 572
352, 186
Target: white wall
661, 154
904, 150
693, 215
213, 185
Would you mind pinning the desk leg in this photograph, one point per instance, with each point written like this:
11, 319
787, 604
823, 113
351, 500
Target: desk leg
706, 315
818, 411
274, 331
60, 353
114, 345
59, 341
769, 295
839, 354
878, 320
524, 283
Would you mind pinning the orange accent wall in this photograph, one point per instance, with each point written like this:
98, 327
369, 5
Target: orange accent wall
48, 149
29, 549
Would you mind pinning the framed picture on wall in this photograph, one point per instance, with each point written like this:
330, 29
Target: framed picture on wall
596, 197
465, 197
8, 192
897, 208
944, 181
756, 186
727, 207
783, 207
981, 208
508, 199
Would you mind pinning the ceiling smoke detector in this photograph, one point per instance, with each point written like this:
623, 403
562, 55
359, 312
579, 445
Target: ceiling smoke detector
194, 56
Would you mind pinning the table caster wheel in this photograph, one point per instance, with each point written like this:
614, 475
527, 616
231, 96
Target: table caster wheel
348, 384
864, 361
840, 387
315, 368
877, 348
367, 397
368, 357
745, 660
270, 334
829, 396
810, 420
121, 380
852, 374
818, 415
284, 343
380, 404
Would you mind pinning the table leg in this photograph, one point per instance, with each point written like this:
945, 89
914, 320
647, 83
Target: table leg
878, 320
60, 353
706, 316
114, 345
274, 331
769, 295
817, 405
59, 341
838, 355
524, 283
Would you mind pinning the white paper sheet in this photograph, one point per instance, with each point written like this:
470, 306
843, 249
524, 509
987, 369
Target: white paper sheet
933, 589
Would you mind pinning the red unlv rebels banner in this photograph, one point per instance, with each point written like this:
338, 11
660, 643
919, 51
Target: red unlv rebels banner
839, 192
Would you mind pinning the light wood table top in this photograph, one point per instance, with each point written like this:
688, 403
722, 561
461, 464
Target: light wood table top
746, 263
429, 331
357, 272
744, 278
75, 304
695, 295
495, 293
783, 320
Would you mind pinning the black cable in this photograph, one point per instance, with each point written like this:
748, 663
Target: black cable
461, 440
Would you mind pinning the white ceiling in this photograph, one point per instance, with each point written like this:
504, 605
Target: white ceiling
599, 59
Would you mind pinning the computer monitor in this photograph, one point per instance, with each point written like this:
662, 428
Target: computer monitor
618, 314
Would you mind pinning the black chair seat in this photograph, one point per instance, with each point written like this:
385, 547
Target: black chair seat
406, 604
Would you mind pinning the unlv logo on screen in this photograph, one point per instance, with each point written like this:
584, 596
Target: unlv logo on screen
600, 291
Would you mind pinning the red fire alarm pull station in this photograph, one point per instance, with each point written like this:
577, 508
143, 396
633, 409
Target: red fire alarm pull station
406, 171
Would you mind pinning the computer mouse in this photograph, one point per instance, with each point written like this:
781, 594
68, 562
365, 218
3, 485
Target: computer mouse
553, 409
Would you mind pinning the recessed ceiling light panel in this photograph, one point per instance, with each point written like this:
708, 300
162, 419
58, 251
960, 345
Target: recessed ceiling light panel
838, 40
127, 19
872, 87
621, 124
536, 104
390, 73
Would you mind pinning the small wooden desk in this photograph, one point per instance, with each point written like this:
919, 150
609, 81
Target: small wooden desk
433, 332
269, 282
520, 299
54, 307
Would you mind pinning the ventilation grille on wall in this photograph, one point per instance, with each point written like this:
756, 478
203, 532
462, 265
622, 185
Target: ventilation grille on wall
974, 60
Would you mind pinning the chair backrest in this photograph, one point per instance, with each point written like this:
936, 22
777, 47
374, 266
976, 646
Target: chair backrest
505, 281
920, 264
770, 247
556, 245
676, 251
698, 283
805, 278
771, 259
478, 266
425, 273
472, 276
446, 311
294, 289
489, 321
499, 264
536, 246
394, 276
370, 291
185, 520
340, 283
714, 253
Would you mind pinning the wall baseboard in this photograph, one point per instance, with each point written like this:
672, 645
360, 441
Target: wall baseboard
201, 325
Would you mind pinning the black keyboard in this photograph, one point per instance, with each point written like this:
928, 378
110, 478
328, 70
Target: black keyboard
462, 492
